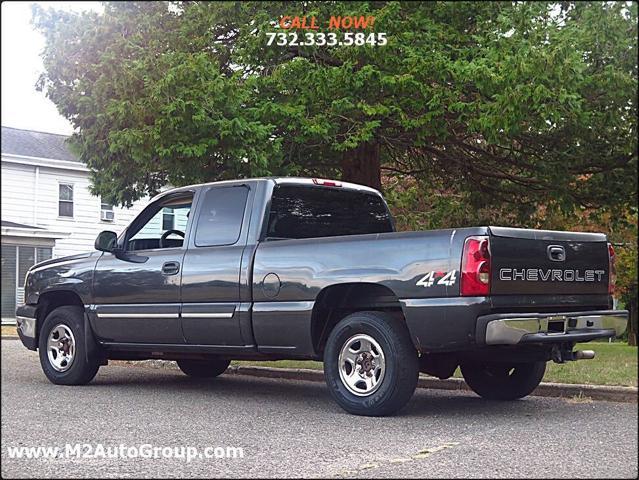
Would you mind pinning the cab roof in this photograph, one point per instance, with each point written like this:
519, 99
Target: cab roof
313, 182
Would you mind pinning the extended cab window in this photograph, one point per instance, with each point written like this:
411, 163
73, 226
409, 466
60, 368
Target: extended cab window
153, 228
310, 212
220, 219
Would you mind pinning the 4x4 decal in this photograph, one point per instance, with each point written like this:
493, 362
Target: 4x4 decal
445, 278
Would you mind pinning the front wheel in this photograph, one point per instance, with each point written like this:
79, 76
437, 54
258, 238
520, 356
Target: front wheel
62, 348
204, 368
370, 364
501, 381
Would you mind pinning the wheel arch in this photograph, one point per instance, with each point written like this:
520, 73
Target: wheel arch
52, 299
336, 301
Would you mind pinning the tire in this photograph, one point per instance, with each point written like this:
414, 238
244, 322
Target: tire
499, 381
62, 348
204, 368
380, 336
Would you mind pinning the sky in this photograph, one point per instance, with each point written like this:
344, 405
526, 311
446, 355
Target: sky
22, 105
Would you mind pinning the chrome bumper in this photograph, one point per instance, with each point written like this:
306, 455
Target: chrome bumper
507, 329
26, 326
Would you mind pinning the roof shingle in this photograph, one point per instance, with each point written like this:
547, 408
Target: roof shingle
36, 144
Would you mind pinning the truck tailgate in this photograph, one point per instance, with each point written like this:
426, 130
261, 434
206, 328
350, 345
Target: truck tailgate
546, 262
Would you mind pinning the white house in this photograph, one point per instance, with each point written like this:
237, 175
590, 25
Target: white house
47, 210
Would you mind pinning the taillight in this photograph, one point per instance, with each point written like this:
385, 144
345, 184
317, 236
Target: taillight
612, 269
475, 271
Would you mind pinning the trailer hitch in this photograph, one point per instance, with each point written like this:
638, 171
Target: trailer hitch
563, 353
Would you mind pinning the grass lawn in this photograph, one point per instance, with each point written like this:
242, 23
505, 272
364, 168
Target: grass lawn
614, 364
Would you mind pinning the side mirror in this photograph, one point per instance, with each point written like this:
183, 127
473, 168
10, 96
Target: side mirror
106, 241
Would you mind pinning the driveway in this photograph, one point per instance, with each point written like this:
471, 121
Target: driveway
293, 429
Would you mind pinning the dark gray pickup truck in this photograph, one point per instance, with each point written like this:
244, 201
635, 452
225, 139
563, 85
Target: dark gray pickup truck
285, 268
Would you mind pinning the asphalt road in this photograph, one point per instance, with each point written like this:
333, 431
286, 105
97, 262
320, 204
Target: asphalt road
293, 429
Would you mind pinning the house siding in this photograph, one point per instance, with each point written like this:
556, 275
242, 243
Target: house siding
18, 187
23, 203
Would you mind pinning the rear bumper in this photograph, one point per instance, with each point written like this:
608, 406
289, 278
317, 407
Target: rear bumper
26, 325
515, 329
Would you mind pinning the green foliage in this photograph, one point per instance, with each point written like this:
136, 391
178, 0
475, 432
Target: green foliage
150, 109
504, 104
626, 288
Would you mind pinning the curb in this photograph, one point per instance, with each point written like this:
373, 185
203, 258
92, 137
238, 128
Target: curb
565, 390
607, 393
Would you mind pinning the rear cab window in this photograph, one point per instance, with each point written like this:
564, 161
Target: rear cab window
220, 216
312, 212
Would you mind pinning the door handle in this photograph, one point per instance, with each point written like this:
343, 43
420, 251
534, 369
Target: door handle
170, 268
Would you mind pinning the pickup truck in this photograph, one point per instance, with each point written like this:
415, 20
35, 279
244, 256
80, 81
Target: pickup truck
292, 268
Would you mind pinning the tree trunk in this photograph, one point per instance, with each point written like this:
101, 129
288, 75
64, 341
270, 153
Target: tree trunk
632, 323
362, 165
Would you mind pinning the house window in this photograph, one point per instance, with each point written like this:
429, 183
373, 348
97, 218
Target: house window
16, 261
106, 211
9, 275
168, 219
65, 200
43, 253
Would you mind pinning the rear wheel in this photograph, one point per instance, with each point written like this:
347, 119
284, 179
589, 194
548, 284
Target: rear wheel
204, 368
370, 364
501, 381
62, 348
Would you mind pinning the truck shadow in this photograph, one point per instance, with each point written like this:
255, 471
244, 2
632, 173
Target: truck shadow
291, 395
